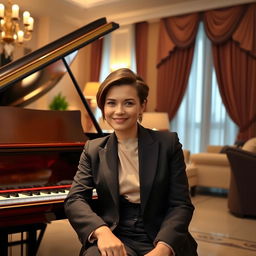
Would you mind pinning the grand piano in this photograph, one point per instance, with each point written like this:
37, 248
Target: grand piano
40, 149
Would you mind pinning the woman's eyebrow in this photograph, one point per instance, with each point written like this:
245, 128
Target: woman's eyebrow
124, 99
110, 99
130, 99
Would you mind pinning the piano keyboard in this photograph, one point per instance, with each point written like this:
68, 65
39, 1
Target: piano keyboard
34, 195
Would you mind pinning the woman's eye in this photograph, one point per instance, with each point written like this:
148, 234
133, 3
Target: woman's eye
110, 103
129, 103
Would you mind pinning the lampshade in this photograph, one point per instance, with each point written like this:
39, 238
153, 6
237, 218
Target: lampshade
156, 120
90, 89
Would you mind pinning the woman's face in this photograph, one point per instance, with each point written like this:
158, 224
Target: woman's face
122, 109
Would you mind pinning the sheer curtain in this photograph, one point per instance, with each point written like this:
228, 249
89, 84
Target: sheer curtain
105, 61
202, 119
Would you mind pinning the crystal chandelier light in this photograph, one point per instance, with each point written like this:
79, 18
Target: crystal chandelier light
12, 29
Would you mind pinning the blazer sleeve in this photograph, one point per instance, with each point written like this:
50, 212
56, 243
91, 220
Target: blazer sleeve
174, 227
77, 204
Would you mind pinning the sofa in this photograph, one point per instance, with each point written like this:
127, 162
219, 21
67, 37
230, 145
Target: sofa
213, 167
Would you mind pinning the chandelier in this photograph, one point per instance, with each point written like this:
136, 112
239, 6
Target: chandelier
12, 29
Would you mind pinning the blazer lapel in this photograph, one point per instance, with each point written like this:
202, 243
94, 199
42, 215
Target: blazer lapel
148, 156
109, 167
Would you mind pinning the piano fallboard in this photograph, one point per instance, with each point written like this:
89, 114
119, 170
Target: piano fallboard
33, 174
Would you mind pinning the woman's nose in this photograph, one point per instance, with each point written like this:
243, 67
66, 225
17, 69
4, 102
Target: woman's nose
119, 109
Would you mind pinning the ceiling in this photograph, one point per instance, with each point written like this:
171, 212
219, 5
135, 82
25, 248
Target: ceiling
81, 12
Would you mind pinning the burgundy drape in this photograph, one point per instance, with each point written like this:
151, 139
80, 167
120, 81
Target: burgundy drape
96, 56
175, 54
141, 43
233, 35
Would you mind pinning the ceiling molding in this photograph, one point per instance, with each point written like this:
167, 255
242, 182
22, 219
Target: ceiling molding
86, 4
149, 14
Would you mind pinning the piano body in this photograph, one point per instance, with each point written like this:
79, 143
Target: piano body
40, 149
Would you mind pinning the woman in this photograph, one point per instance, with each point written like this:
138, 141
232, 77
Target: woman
143, 204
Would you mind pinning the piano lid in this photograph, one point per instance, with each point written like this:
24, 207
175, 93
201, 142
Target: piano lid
43, 68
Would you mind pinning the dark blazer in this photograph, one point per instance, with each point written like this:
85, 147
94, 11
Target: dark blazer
165, 200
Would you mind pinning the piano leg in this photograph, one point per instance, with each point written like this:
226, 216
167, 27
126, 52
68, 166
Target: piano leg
4, 243
32, 242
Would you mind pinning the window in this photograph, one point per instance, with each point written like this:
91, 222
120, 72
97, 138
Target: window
202, 119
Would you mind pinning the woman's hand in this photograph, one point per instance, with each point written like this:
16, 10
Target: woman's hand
160, 250
108, 243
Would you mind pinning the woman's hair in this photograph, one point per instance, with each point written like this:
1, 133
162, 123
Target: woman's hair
123, 76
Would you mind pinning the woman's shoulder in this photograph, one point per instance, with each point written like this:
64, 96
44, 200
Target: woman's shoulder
163, 135
167, 139
94, 144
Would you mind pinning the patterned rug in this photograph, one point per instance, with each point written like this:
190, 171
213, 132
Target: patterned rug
224, 240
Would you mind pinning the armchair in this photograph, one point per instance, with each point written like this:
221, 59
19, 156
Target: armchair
213, 169
242, 190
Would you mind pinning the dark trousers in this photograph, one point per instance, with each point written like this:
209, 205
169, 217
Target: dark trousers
130, 231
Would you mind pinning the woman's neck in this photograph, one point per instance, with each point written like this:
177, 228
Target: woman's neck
125, 135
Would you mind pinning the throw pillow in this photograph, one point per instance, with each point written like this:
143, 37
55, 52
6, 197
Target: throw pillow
250, 145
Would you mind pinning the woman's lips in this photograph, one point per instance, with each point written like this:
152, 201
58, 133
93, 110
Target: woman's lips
119, 120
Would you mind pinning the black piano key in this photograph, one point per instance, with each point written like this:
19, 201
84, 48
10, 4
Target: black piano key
35, 192
14, 194
55, 191
6, 195
46, 191
27, 193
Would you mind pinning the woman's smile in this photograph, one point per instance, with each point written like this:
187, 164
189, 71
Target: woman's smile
119, 120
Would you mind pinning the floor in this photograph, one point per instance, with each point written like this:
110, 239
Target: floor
217, 232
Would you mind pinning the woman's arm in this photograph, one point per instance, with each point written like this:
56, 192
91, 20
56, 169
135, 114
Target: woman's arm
77, 204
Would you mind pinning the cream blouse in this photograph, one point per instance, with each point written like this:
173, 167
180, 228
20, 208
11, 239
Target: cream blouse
129, 183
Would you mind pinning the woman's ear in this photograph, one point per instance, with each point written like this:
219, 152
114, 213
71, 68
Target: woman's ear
144, 106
